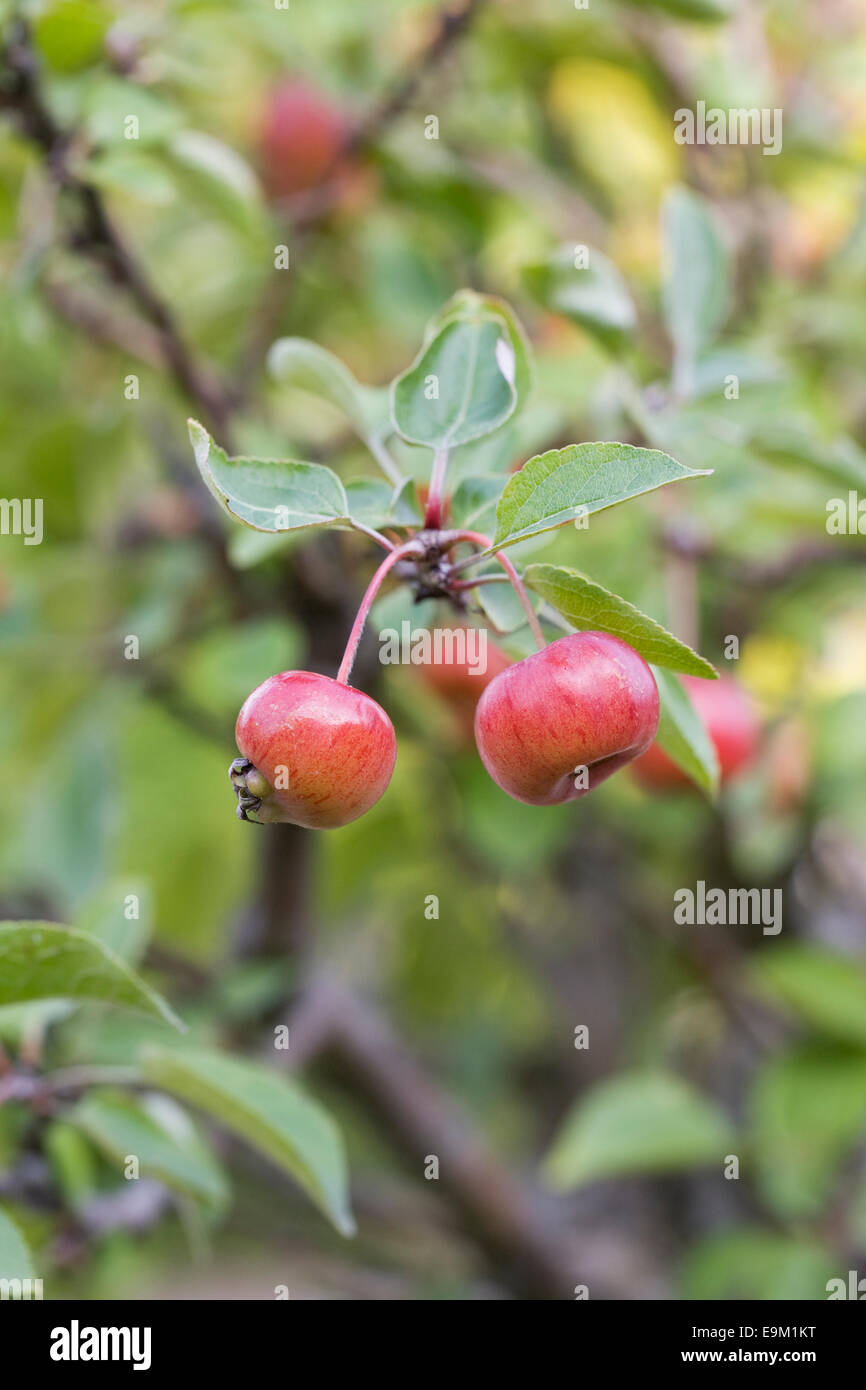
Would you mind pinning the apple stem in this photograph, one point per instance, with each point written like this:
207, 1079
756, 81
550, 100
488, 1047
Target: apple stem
374, 535
433, 512
516, 583
399, 552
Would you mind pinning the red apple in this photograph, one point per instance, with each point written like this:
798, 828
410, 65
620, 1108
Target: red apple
302, 135
588, 701
315, 752
731, 723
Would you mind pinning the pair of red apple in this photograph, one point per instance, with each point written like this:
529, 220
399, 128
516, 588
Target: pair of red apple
549, 729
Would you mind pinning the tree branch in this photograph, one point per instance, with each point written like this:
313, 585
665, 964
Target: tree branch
94, 235
509, 1220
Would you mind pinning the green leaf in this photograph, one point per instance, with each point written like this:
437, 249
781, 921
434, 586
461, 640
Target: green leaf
473, 504
41, 960
711, 10
16, 1261
216, 175
377, 503
268, 1111
748, 366
468, 305
104, 916
299, 362
157, 1132
750, 1263
643, 1122
404, 509
69, 33
591, 608
808, 1110
794, 442
825, 990
696, 280
273, 495
682, 734
501, 606
73, 1163
470, 366
132, 173
594, 296
107, 103
563, 484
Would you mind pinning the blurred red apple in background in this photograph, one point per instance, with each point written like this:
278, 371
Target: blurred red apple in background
302, 135
731, 722
460, 685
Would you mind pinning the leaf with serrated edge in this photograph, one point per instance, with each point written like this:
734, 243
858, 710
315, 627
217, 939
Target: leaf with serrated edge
270, 1112
555, 488
41, 960
270, 494
682, 735
592, 608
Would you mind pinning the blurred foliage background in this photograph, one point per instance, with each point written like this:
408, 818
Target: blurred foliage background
455, 1037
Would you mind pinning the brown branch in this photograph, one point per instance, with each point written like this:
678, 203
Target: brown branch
94, 235
88, 312
511, 1222
451, 24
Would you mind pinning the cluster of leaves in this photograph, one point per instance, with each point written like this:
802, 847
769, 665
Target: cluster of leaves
101, 1117
471, 375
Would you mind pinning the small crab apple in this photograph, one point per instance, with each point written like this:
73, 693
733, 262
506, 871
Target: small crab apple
302, 135
731, 722
315, 752
554, 726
